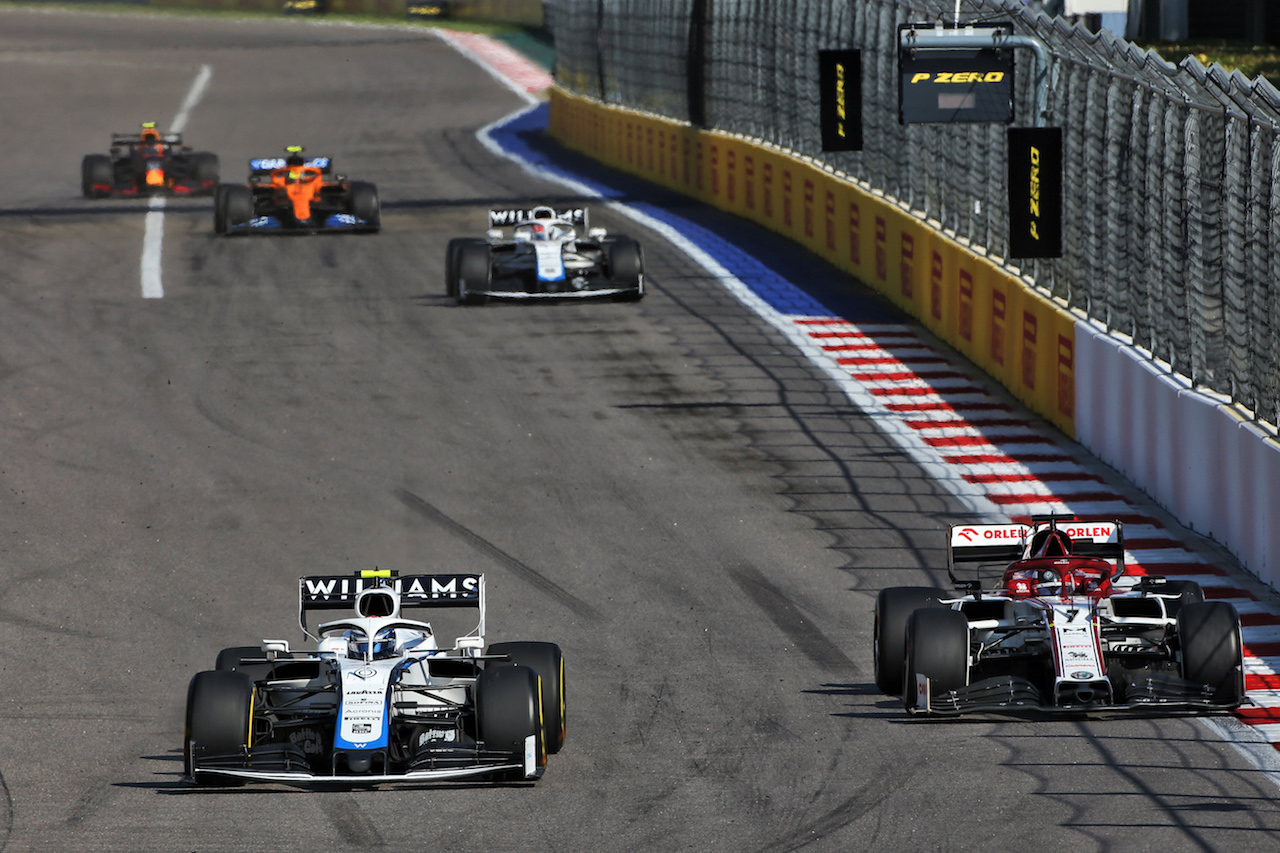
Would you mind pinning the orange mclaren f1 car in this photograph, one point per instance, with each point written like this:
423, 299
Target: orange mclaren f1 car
295, 194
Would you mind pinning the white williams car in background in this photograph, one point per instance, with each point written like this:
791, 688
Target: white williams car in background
377, 700
549, 254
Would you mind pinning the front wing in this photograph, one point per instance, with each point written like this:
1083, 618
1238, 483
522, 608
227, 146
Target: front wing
335, 222
280, 763
1153, 691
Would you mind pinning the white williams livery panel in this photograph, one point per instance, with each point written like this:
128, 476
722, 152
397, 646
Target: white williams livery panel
377, 699
541, 253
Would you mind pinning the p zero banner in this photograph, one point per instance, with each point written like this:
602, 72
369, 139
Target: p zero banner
1035, 192
943, 86
840, 99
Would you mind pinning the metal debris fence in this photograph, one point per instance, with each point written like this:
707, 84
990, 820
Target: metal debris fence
1171, 215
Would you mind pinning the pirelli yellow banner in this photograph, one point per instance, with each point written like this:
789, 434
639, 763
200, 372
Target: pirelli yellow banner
1018, 335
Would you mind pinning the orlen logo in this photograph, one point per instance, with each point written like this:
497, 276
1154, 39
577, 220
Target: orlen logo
969, 534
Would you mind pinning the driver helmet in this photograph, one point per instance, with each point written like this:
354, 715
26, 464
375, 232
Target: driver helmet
384, 644
149, 132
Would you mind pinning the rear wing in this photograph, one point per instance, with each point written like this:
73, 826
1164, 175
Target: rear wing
1005, 543
509, 217
118, 139
266, 165
986, 543
338, 592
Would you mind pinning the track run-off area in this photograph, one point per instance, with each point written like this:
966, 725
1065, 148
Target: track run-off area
697, 496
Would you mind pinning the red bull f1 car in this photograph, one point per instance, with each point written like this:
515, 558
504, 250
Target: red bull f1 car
296, 194
1063, 628
377, 700
148, 163
550, 254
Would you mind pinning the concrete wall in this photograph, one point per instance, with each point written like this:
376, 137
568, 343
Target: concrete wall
1193, 453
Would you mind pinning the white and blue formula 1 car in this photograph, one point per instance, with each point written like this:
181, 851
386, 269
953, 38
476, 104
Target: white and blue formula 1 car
377, 701
550, 254
1064, 628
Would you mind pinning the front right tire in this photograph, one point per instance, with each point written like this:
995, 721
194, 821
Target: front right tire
475, 266
96, 170
937, 648
219, 716
237, 206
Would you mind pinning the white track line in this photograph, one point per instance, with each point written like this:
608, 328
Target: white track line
153, 228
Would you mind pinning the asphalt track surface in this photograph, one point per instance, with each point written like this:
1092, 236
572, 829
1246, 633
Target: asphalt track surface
669, 490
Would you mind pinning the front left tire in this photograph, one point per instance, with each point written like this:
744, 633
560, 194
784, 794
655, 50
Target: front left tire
547, 660
508, 713
1212, 652
364, 205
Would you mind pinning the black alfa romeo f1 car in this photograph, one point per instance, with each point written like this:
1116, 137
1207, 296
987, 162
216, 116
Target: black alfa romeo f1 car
1064, 628
148, 163
550, 254
377, 700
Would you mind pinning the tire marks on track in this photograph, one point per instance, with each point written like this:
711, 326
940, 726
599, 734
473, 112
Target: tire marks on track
787, 616
526, 573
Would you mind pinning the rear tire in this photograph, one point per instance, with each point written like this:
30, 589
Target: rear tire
96, 170
894, 607
1188, 592
937, 648
1212, 654
219, 712
547, 660
365, 205
508, 712
474, 270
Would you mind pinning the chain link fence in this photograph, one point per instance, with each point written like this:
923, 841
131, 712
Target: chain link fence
1171, 215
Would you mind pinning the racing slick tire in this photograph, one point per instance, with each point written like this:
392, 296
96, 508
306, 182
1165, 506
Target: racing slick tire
474, 268
626, 268
237, 206
1212, 654
508, 713
547, 660
205, 169
937, 648
451, 263
364, 204
96, 170
219, 714
220, 209
894, 606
